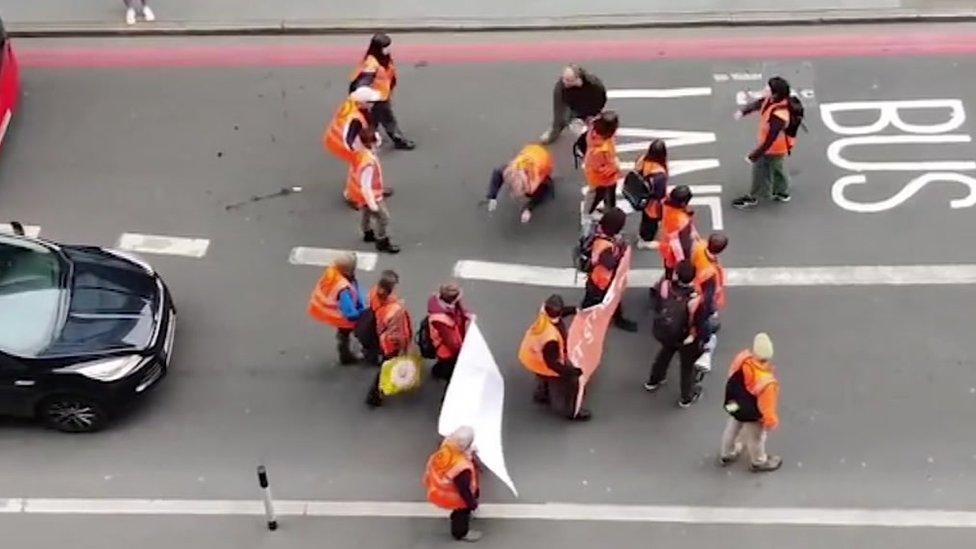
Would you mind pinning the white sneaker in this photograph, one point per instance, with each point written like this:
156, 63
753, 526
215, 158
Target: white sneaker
130, 16
526, 216
148, 14
647, 245
545, 136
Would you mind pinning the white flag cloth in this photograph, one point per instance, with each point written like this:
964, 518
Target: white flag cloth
476, 398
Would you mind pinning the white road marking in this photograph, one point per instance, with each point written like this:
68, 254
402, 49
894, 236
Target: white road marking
865, 275
672, 138
737, 76
166, 245
695, 189
365, 261
32, 231
577, 512
664, 93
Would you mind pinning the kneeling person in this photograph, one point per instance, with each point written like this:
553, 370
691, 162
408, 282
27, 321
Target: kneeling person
528, 175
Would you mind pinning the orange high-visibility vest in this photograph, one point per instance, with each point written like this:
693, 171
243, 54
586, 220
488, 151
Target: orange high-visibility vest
442, 467
781, 145
673, 222
383, 82
600, 161
324, 303
707, 267
362, 160
334, 137
393, 327
541, 332
648, 170
536, 162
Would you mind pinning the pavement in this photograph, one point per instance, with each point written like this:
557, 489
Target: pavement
878, 381
67, 17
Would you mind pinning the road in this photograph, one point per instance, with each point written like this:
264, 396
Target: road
878, 380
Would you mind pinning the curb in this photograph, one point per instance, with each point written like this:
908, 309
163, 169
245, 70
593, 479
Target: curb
502, 24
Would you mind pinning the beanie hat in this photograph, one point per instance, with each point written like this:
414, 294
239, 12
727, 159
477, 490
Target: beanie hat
762, 346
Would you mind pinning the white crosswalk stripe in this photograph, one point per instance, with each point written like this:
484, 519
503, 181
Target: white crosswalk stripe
301, 255
164, 245
32, 231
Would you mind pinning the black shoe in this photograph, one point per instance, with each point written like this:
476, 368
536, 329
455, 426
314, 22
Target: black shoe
625, 324
694, 399
745, 202
384, 245
374, 401
782, 197
369, 236
404, 144
348, 358
582, 415
540, 399
387, 193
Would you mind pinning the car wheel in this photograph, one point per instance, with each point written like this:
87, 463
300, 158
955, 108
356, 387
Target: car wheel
73, 414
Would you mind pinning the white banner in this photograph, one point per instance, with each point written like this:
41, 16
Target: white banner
476, 398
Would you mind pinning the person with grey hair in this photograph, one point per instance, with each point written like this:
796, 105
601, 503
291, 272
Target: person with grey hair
130, 11
451, 480
577, 94
448, 323
337, 300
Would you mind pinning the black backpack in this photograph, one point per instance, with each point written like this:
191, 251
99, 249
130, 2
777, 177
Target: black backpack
672, 322
636, 191
739, 402
584, 249
424, 342
796, 117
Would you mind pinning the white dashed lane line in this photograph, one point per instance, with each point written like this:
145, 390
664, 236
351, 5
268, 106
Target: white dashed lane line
32, 231
301, 255
164, 245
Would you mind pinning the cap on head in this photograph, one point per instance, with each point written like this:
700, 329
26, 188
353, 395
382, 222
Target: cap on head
685, 272
680, 195
462, 437
554, 305
762, 346
613, 221
717, 242
365, 94
779, 87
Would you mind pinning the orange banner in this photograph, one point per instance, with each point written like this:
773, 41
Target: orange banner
589, 328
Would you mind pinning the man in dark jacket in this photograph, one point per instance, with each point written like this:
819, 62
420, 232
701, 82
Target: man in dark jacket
577, 94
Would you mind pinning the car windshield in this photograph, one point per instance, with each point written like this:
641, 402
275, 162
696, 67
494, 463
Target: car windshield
31, 297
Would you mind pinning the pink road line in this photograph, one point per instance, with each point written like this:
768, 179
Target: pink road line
759, 47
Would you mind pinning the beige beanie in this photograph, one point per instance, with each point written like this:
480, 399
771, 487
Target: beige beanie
762, 346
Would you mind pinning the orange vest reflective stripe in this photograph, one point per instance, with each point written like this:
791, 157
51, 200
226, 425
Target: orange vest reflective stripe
673, 222
383, 82
541, 332
335, 133
781, 110
443, 352
324, 303
536, 162
600, 276
442, 467
707, 267
755, 377
600, 161
354, 192
649, 169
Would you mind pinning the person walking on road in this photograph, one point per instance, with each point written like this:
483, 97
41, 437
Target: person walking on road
140, 6
679, 326
678, 231
653, 167
378, 71
448, 323
529, 176
393, 330
543, 352
710, 285
338, 301
751, 399
577, 94
364, 187
607, 251
452, 483
769, 178
600, 163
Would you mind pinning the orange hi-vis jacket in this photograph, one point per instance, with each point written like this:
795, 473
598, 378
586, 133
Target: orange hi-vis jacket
363, 159
760, 381
442, 467
536, 162
324, 303
541, 332
383, 82
600, 275
334, 137
707, 267
676, 247
781, 110
600, 161
393, 325
648, 170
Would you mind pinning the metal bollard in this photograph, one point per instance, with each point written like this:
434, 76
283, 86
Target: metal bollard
266, 492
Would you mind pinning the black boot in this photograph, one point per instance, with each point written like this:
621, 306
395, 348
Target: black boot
346, 356
387, 192
403, 144
384, 245
369, 236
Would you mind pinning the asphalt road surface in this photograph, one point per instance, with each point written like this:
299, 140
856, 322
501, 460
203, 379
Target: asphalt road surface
878, 381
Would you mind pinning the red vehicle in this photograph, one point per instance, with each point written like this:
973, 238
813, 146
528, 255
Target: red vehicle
9, 83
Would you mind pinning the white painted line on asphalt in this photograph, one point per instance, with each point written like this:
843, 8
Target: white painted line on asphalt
32, 231
867, 275
166, 245
576, 512
322, 257
695, 189
664, 93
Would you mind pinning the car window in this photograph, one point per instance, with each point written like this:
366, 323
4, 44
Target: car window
31, 297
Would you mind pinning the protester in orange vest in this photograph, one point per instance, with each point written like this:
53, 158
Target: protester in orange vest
338, 301
341, 136
543, 352
378, 71
364, 187
392, 328
653, 167
600, 163
709, 273
448, 323
678, 232
768, 171
452, 483
751, 399
529, 176
608, 249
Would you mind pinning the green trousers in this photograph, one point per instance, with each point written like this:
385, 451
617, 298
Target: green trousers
769, 174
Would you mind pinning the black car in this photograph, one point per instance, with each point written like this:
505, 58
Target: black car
83, 331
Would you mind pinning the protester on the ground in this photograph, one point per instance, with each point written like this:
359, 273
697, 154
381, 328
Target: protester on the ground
769, 177
392, 328
600, 163
751, 399
608, 249
678, 232
448, 323
529, 177
451, 480
680, 327
543, 352
338, 301
653, 167
578, 94
364, 187
378, 71
132, 7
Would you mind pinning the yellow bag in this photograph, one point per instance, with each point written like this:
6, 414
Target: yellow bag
401, 374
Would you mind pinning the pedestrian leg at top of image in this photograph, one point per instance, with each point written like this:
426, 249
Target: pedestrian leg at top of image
751, 400
138, 7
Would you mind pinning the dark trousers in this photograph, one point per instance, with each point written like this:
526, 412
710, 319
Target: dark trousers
559, 392
687, 355
460, 523
648, 227
607, 195
594, 296
383, 114
375, 396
